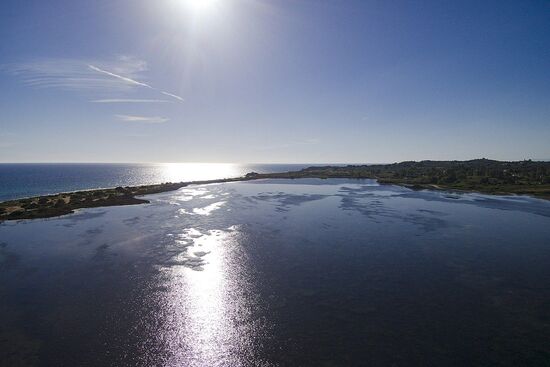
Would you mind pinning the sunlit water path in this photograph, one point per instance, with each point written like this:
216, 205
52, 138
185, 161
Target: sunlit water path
279, 273
24, 180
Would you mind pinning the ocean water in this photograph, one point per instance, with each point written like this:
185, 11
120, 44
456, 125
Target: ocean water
25, 180
281, 273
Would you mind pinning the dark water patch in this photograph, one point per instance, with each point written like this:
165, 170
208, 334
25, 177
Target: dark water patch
369, 209
131, 221
377, 209
534, 206
284, 201
427, 224
8, 259
94, 231
313, 181
72, 220
508, 203
433, 212
354, 276
18, 349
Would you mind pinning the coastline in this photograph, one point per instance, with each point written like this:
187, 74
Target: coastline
55, 205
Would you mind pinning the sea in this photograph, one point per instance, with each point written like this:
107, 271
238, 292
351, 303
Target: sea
305, 272
34, 179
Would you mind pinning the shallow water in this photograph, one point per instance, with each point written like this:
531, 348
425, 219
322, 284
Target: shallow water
281, 273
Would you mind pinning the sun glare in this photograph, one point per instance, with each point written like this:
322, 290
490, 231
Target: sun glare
200, 7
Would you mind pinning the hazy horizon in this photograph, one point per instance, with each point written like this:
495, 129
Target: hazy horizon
262, 163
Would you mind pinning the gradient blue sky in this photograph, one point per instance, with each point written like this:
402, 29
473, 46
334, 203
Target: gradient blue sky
273, 81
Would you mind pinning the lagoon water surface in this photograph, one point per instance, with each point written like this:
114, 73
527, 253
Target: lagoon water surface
281, 273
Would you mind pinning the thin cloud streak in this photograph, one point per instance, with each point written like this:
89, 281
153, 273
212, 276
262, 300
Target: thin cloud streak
118, 75
142, 119
123, 78
128, 100
132, 81
172, 95
72, 74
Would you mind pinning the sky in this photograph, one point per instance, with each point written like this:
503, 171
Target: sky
286, 81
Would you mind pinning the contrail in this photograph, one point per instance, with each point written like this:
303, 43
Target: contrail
133, 82
123, 78
172, 95
126, 100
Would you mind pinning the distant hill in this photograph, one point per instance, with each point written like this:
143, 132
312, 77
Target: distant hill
483, 175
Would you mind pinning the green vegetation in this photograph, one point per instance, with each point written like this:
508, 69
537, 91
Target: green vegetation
66, 203
481, 175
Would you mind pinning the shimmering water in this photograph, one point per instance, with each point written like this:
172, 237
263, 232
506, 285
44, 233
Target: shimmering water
281, 273
24, 180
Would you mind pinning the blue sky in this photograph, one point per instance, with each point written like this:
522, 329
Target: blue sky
273, 81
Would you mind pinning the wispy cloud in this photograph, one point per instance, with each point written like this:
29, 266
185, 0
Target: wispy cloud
132, 81
75, 75
118, 79
129, 100
119, 75
142, 119
172, 95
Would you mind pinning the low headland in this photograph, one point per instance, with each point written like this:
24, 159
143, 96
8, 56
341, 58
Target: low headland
479, 175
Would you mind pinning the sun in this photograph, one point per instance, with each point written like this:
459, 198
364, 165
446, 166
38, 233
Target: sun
200, 7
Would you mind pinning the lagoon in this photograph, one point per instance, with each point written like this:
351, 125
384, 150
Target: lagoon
302, 272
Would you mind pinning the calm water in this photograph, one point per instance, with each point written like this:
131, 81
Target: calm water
281, 273
24, 180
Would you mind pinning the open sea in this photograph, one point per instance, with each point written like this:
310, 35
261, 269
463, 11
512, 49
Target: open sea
305, 272
34, 179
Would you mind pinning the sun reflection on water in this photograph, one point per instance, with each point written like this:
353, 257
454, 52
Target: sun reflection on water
206, 299
176, 172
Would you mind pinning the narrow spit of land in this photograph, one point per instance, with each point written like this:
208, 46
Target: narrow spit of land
479, 175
